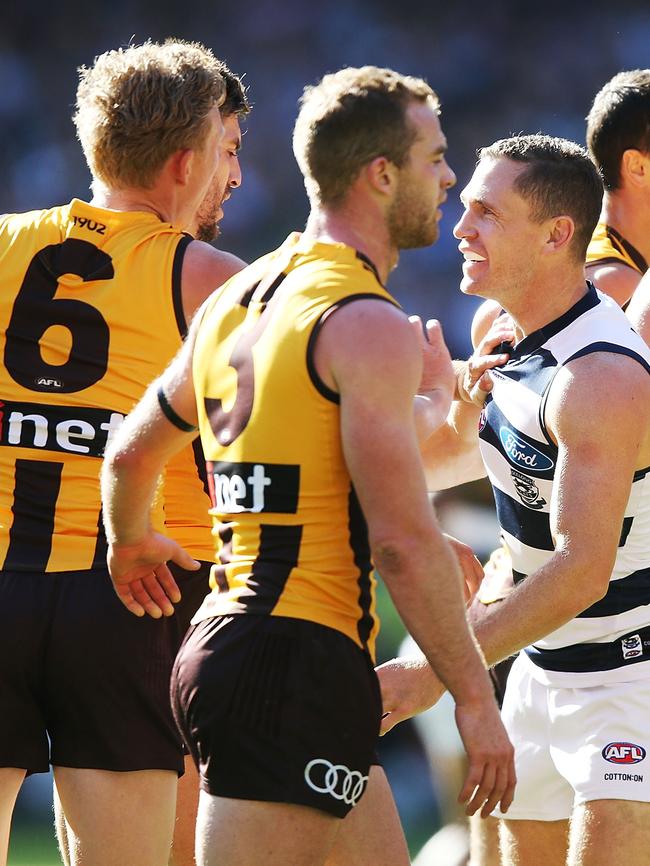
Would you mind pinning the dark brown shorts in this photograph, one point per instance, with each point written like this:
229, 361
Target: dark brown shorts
194, 586
277, 709
76, 666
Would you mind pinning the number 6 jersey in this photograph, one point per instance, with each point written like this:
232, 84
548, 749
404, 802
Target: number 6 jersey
291, 538
90, 313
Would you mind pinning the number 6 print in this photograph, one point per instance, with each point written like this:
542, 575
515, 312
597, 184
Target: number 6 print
36, 309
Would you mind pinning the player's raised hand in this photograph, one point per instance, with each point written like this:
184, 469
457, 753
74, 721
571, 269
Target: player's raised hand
141, 578
474, 379
469, 565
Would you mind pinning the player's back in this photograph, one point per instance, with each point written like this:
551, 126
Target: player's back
89, 314
292, 540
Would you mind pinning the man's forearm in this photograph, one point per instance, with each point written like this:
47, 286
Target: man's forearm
540, 604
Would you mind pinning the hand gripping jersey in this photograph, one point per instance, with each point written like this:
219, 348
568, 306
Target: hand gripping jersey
90, 313
291, 538
610, 641
607, 246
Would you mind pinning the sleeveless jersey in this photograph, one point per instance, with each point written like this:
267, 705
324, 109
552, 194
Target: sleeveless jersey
608, 246
90, 313
604, 643
291, 538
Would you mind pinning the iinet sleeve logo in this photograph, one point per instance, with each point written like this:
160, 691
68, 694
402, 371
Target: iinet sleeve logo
623, 753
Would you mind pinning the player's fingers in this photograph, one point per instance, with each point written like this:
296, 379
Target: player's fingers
142, 596
166, 580
498, 791
434, 333
472, 781
509, 793
182, 558
157, 594
416, 325
126, 597
483, 790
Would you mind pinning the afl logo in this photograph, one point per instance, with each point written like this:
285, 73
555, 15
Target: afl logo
522, 453
623, 753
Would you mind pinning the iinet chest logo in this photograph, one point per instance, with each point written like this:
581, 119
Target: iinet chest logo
68, 429
253, 487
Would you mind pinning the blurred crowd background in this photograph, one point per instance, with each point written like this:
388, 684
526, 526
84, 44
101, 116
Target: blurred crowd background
499, 67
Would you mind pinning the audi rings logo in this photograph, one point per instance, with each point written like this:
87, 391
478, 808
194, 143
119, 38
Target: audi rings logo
335, 779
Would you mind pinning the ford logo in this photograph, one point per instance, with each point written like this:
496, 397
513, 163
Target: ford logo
522, 453
623, 753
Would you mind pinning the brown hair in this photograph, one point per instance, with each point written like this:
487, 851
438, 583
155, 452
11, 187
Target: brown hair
138, 105
558, 178
619, 120
350, 118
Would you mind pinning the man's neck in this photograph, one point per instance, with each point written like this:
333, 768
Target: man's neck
529, 314
140, 200
629, 214
361, 229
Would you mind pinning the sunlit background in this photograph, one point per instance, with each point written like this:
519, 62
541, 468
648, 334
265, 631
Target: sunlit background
499, 68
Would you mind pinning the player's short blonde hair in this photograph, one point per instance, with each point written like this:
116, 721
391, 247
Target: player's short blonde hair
350, 118
137, 106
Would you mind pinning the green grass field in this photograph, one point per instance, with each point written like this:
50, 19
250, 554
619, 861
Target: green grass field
33, 845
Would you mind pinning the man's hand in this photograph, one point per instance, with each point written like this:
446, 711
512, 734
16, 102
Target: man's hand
498, 581
437, 383
469, 565
141, 578
408, 687
491, 774
473, 380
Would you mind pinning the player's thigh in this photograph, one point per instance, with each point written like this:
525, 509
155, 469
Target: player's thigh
604, 832
108, 678
484, 841
114, 818
187, 802
371, 834
242, 832
11, 779
529, 843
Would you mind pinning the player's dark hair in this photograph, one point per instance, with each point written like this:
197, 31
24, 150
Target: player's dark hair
619, 120
559, 179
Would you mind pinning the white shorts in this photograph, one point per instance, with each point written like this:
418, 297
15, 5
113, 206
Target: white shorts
575, 745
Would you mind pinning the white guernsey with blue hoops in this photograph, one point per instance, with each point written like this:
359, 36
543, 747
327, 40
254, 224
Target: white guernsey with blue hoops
610, 641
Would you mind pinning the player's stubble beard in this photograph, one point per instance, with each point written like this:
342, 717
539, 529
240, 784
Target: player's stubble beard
412, 219
207, 227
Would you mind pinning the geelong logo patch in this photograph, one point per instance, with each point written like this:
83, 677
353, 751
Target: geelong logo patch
623, 753
522, 453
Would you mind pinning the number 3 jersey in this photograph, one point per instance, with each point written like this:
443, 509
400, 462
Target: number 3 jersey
610, 640
291, 538
90, 313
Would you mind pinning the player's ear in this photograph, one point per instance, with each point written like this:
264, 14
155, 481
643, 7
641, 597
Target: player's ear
635, 167
561, 231
180, 164
381, 174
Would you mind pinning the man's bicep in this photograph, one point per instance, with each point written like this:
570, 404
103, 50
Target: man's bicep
598, 453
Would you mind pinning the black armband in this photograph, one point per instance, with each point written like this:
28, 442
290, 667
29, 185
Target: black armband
171, 415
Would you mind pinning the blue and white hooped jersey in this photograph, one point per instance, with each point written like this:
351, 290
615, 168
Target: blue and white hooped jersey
610, 641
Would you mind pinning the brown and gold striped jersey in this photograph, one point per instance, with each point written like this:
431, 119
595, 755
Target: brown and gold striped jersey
291, 539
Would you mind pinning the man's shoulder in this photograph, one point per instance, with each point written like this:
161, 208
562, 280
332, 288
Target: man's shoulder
204, 270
